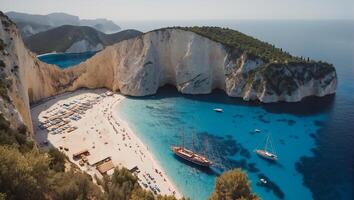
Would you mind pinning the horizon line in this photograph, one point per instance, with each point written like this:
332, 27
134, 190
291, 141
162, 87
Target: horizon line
192, 19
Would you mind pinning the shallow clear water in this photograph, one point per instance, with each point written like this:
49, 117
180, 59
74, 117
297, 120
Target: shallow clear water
229, 137
314, 138
65, 60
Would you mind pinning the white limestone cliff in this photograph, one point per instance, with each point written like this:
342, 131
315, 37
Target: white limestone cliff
197, 65
139, 66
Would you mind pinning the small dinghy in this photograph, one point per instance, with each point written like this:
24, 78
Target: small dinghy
218, 110
262, 180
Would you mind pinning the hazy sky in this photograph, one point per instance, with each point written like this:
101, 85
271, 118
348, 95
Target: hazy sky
188, 9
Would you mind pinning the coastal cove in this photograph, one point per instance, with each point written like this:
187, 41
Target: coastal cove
176, 100
92, 129
64, 60
323, 166
228, 138
309, 136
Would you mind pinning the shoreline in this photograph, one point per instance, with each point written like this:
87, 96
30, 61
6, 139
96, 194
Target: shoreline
103, 134
156, 161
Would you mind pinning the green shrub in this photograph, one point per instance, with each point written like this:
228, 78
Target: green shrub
73, 186
252, 46
23, 176
233, 185
14, 138
57, 160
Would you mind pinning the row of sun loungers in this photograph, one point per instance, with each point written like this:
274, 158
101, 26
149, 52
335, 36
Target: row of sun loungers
58, 121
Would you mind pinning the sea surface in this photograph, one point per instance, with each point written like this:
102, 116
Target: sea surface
314, 139
65, 60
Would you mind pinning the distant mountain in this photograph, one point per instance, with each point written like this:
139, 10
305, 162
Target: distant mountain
31, 28
103, 25
30, 24
74, 39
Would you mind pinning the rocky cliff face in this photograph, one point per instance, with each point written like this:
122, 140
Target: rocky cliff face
24, 78
197, 65
139, 66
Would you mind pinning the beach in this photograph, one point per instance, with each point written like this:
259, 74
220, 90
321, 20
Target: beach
84, 126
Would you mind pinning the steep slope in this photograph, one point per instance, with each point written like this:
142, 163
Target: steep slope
25, 79
30, 24
74, 39
197, 65
29, 28
139, 66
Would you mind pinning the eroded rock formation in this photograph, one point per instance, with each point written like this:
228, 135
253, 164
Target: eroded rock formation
139, 66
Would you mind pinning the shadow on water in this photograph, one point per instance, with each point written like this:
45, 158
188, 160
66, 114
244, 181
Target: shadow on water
270, 185
227, 149
325, 172
308, 106
226, 152
206, 170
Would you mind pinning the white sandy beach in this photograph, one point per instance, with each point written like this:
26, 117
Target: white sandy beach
100, 132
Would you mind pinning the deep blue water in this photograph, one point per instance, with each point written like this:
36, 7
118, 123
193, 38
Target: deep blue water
314, 139
229, 137
65, 60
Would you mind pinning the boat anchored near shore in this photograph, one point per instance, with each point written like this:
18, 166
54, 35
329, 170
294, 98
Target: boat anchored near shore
190, 155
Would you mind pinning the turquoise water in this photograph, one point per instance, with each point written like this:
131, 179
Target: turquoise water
314, 138
229, 137
65, 60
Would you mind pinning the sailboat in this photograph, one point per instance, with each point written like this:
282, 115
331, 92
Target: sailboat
268, 152
190, 155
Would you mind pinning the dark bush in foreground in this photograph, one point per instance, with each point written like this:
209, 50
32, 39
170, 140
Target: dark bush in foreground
233, 185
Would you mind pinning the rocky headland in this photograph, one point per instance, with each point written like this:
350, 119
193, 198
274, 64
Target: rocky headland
196, 60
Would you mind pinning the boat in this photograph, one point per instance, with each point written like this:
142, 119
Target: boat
257, 130
218, 110
268, 151
191, 156
262, 180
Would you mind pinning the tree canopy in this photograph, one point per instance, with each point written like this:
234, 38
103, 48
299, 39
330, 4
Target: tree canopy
233, 185
124, 185
244, 43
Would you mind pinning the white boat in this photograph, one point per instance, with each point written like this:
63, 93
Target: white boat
218, 110
268, 152
262, 180
257, 130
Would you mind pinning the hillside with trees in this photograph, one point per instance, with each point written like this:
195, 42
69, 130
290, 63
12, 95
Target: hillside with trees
60, 39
